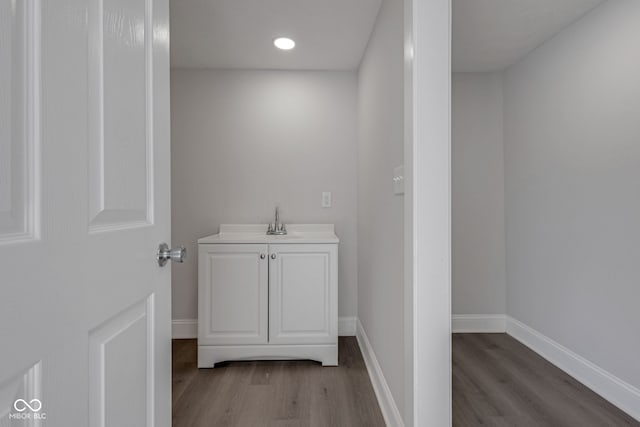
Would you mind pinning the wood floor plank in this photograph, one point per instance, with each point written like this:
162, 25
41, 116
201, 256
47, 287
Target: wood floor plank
497, 381
274, 393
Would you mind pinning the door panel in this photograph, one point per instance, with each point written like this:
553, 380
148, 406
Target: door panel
121, 365
120, 123
26, 383
84, 203
232, 294
19, 119
302, 294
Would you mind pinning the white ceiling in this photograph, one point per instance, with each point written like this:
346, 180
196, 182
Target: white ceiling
329, 34
490, 35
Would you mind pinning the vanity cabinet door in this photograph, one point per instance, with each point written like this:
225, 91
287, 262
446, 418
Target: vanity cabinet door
303, 293
232, 294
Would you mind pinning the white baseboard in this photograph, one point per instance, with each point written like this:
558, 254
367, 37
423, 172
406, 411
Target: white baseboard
619, 393
388, 405
184, 328
188, 328
347, 326
478, 323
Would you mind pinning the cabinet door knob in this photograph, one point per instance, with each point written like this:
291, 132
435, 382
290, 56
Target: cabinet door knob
262, 256
273, 256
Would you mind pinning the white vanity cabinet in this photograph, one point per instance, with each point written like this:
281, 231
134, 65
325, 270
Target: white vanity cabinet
268, 297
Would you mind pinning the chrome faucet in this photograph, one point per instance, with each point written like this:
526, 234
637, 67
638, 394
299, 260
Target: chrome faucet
277, 228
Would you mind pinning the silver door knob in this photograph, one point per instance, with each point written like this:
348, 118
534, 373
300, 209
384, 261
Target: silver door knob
273, 256
262, 256
165, 254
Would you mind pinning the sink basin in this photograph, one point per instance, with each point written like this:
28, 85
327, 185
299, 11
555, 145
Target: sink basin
259, 236
286, 236
257, 233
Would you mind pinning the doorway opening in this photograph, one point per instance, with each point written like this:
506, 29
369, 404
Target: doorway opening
316, 130
544, 147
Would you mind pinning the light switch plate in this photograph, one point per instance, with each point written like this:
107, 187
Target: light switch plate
326, 199
398, 180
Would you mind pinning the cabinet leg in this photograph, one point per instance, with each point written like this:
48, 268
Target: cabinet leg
331, 360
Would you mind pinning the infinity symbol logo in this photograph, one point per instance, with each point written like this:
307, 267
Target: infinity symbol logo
21, 405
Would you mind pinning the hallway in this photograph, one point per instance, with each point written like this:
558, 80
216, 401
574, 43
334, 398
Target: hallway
497, 381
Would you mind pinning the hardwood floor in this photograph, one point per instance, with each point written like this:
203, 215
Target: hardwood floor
274, 393
497, 381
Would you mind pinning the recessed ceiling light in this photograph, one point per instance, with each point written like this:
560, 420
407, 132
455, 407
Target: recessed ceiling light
284, 43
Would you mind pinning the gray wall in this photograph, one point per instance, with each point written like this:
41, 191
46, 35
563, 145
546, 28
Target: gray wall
380, 213
244, 141
572, 140
478, 236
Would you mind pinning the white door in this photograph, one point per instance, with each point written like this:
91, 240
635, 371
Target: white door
232, 294
84, 203
303, 298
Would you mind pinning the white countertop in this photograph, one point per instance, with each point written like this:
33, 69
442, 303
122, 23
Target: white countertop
257, 233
